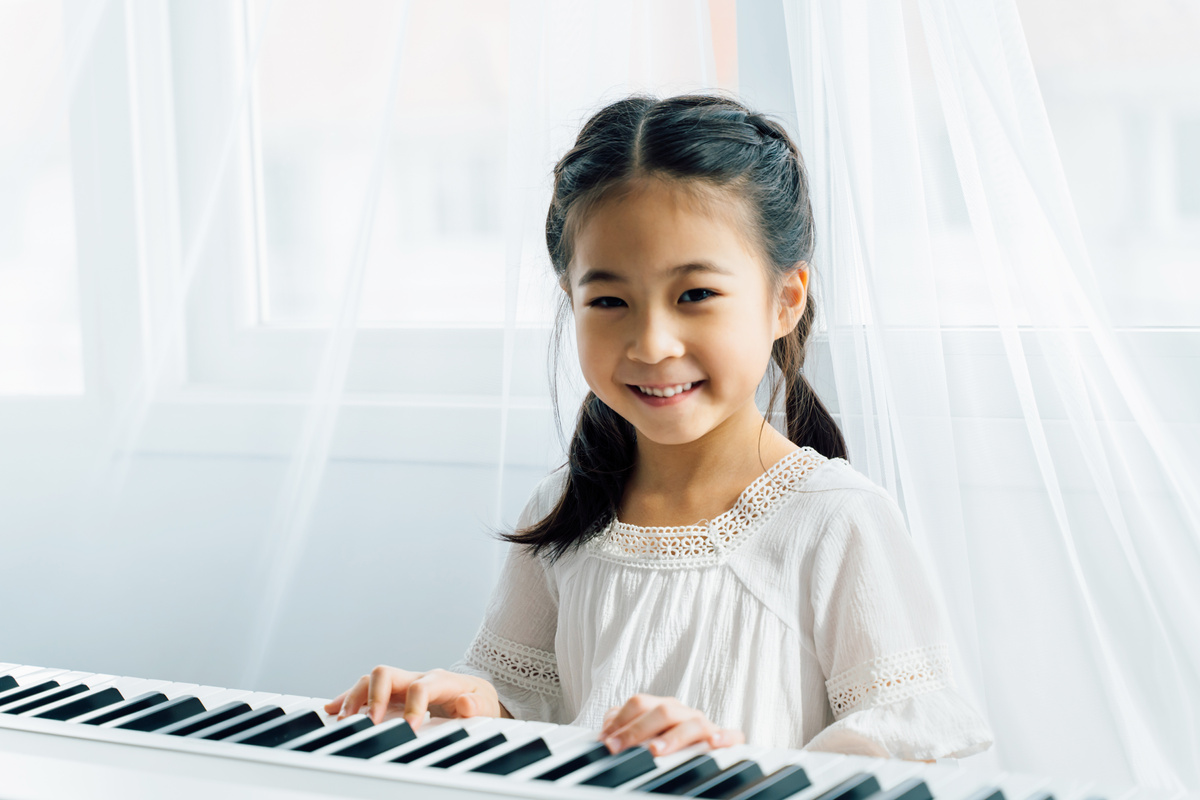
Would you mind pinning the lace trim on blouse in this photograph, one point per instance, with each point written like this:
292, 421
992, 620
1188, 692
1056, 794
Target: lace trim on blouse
518, 664
889, 679
708, 542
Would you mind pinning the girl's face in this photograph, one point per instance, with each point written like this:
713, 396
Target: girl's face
674, 312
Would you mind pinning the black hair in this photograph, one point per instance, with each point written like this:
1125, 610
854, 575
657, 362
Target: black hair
698, 141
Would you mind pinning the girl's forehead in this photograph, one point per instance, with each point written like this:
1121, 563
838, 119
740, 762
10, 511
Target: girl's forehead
660, 224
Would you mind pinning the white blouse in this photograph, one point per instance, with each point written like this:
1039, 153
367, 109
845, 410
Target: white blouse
802, 616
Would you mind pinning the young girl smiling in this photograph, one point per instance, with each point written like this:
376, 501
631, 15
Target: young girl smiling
692, 575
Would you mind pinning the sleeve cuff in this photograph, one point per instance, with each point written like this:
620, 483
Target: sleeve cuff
525, 678
935, 724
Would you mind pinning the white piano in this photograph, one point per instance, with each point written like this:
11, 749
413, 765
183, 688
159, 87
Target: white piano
67, 734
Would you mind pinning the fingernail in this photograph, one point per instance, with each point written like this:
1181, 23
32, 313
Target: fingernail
613, 744
719, 740
656, 746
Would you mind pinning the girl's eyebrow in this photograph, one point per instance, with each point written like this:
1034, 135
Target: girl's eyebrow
598, 275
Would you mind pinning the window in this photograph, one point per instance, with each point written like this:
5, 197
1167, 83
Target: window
41, 348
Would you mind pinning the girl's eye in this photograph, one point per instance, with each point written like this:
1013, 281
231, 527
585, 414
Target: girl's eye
696, 295
607, 302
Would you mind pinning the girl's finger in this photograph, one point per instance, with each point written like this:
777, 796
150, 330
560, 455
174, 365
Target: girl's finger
726, 738
658, 719
634, 707
386, 683
690, 731
353, 699
335, 705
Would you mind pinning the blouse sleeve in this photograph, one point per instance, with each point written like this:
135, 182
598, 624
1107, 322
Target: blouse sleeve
514, 648
882, 643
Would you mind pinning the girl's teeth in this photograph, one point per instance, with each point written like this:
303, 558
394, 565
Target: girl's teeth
670, 391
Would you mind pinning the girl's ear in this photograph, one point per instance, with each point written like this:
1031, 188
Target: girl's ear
793, 296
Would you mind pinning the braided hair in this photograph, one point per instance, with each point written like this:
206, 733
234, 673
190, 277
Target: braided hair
691, 138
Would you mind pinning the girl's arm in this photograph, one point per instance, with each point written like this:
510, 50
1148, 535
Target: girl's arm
883, 643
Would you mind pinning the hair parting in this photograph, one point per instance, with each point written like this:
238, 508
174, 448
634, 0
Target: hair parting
700, 141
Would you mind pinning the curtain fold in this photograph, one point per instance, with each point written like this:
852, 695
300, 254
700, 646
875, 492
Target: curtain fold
1016, 442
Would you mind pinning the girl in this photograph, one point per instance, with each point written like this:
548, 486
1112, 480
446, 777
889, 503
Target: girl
691, 575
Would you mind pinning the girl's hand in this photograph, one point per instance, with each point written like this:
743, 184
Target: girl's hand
668, 724
388, 690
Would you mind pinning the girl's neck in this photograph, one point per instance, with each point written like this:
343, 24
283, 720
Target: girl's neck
701, 478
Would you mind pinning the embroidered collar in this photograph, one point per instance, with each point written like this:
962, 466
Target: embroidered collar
707, 542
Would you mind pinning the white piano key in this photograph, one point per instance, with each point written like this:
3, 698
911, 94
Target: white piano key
65, 680
366, 733
962, 785
1019, 786
221, 697
890, 772
325, 730
664, 764
129, 688
1068, 789
170, 690
486, 729
566, 743
19, 672
448, 727
33, 675
518, 735
829, 775
583, 773
95, 683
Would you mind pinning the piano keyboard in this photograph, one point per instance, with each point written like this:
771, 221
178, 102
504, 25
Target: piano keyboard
75, 734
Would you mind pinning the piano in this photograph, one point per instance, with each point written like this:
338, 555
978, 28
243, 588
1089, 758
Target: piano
76, 734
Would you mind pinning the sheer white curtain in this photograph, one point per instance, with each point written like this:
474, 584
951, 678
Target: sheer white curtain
980, 376
275, 305
274, 316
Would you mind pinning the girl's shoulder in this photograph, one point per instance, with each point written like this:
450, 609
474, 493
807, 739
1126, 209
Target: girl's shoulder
835, 496
838, 481
544, 497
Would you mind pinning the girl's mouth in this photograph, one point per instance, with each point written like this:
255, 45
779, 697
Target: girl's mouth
664, 395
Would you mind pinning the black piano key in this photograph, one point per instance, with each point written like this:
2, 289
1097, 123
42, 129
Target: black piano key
689, 773
1041, 796
728, 781
622, 768
989, 793
780, 784
580, 761
857, 787
911, 789
7, 682
450, 738
518, 758
177, 710
471, 751
84, 705
187, 727
237, 725
139, 703
13, 696
46, 700
280, 731
380, 742
348, 727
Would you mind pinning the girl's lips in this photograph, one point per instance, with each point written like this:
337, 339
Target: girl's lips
652, 400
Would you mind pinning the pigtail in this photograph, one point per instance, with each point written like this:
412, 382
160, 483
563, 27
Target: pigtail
600, 459
809, 422
721, 143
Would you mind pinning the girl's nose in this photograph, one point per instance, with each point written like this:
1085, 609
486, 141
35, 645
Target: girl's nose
654, 339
